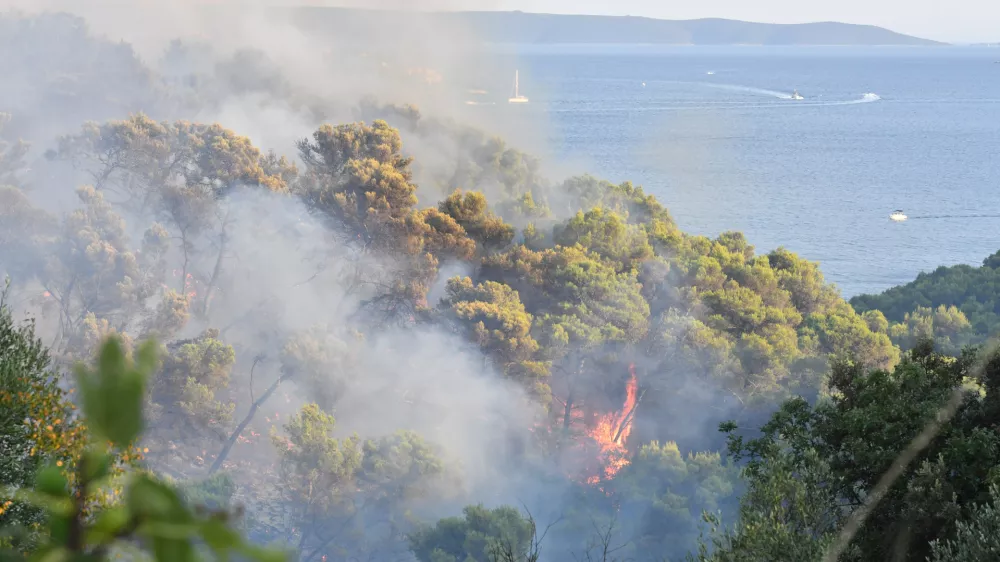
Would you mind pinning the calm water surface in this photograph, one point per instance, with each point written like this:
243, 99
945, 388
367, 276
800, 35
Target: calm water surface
714, 135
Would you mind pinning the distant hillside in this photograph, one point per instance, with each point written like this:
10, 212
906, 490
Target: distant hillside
960, 303
529, 28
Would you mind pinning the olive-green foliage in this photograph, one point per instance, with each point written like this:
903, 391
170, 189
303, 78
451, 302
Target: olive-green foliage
471, 211
492, 315
316, 466
170, 316
214, 492
344, 493
346, 163
607, 234
972, 290
814, 464
474, 537
576, 297
947, 326
664, 492
193, 372
138, 158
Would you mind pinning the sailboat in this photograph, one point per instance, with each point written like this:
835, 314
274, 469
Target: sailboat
518, 98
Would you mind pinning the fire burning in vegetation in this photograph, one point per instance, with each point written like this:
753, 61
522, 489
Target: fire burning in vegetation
613, 429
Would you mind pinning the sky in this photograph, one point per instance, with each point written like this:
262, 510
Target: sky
956, 21
953, 21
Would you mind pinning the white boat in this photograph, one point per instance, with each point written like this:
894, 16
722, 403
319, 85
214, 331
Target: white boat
897, 216
518, 98
796, 96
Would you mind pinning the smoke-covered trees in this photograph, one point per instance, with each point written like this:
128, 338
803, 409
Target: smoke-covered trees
492, 315
357, 175
91, 269
12, 155
193, 372
24, 230
660, 497
480, 535
142, 161
471, 211
347, 497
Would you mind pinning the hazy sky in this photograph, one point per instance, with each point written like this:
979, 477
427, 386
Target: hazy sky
944, 20
958, 21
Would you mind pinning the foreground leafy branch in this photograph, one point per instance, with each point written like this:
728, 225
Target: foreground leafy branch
151, 518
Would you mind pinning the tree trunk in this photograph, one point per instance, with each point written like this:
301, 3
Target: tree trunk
224, 453
567, 412
223, 238
184, 268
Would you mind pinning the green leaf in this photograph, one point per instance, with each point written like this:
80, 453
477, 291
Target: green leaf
113, 394
146, 357
173, 550
97, 464
219, 536
107, 525
149, 499
59, 528
128, 422
112, 363
50, 481
169, 530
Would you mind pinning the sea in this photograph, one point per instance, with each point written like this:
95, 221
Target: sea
714, 134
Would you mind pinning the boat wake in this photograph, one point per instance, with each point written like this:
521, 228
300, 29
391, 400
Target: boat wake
866, 98
926, 217
750, 89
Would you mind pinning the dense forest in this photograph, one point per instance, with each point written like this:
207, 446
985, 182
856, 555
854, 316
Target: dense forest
404, 341
955, 305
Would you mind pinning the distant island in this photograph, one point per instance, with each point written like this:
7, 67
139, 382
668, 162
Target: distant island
531, 28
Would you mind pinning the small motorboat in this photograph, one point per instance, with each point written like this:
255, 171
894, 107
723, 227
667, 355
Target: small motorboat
897, 216
797, 96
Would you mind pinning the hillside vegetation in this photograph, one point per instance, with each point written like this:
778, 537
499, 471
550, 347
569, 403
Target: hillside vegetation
957, 305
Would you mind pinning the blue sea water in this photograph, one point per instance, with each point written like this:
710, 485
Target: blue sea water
714, 136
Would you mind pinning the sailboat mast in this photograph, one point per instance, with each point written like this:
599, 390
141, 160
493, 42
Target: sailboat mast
516, 91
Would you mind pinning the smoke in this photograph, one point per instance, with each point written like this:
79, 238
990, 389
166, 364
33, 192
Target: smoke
277, 71
286, 274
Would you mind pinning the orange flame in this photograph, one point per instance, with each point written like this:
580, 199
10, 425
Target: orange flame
612, 431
